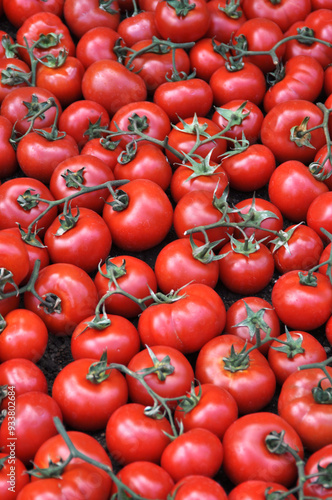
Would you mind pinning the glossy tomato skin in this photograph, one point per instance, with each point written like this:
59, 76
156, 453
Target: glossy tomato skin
142, 26
284, 14
175, 385
319, 214
182, 457
252, 387
175, 266
277, 125
132, 436
112, 85
319, 459
86, 245
12, 471
97, 44
145, 220
223, 22
260, 204
186, 324
106, 151
24, 336
204, 59
296, 304
246, 436
56, 488
198, 486
7, 64
325, 166
18, 11
292, 188
76, 291
87, 405
284, 365
82, 16
298, 405
215, 410
136, 280
8, 161
255, 490
120, 339
14, 259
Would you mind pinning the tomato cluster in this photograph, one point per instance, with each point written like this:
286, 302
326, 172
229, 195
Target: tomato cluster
165, 249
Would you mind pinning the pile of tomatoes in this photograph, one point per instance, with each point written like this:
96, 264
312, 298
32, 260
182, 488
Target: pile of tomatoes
165, 249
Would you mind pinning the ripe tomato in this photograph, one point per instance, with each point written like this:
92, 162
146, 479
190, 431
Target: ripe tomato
318, 464
246, 437
254, 489
319, 214
107, 151
56, 488
13, 476
14, 261
97, 44
185, 324
17, 11
323, 165
198, 486
131, 435
252, 383
284, 13
12, 66
8, 161
140, 26
275, 222
225, 19
23, 335
205, 58
82, 16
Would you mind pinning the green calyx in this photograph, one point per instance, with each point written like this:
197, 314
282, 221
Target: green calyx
67, 221
320, 395
181, 7
237, 361
254, 321
292, 346
74, 179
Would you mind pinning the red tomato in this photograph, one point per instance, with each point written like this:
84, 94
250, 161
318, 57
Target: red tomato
275, 222
187, 323
284, 130
328, 330
139, 216
34, 414
174, 385
183, 456
8, 161
318, 463
323, 258
13, 476
17, 11
252, 383
81, 16
88, 404
103, 80
302, 350
71, 292
256, 490
133, 275
131, 435
319, 214
225, 19
246, 437
297, 304
302, 403
10, 69
245, 316
97, 44
140, 26
205, 58
8, 304
14, 261
23, 335
284, 13
209, 407
322, 165
105, 150
182, 24
198, 486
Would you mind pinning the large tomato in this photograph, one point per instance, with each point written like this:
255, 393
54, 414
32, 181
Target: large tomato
317, 469
81, 16
319, 214
8, 161
284, 13
97, 44
17, 11
225, 19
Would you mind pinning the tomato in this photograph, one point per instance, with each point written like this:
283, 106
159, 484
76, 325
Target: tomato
156, 123
8, 161
17, 11
10, 69
284, 13
183, 456
301, 251
107, 151
247, 83
292, 188
139, 216
252, 383
38, 154
182, 24
205, 58
77, 117
305, 410
25, 211
86, 244
184, 134
318, 463
184, 98
261, 34
323, 258
133, 275
210, 407
328, 80
245, 316
303, 349
328, 330
81, 16
87, 170
64, 81
246, 437
14, 261
23, 335
87, 404
149, 162
57, 489
96, 44
249, 119
251, 169
225, 19
275, 222
146, 479
198, 486
103, 80
23, 102
131, 435
289, 143
320, 22
322, 165
319, 214
71, 292
174, 385
296, 304
179, 262
303, 79
320, 4
44, 23
140, 26
34, 414
256, 490
120, 339
8, 304
4, 35
13, 476
187, 323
